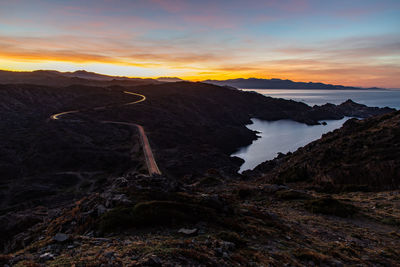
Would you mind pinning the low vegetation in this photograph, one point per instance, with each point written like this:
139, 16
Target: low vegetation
330, 206
154, 213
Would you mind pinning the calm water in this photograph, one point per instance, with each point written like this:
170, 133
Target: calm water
373, 98
286, 135
280, 136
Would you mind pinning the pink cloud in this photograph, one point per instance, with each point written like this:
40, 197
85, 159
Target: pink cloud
172, 6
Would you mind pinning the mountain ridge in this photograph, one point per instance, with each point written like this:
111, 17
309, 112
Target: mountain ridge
56, 78
93, 78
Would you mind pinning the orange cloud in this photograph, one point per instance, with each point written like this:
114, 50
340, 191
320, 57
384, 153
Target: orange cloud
364, 62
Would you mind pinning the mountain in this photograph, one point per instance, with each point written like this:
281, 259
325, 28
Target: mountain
254, 83
169, 79
55, 78
91, 75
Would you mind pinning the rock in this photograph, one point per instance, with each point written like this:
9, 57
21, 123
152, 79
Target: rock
188, 231
273, 188
60, 237
151, 260
47, 256
109, 254
127, 242
101, 209
336, 263
218, 252
228, 245
89, 234
120, 199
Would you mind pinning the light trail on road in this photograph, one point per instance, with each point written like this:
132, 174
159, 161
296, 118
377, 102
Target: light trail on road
148, 154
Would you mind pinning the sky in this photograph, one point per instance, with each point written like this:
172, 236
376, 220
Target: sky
348, 42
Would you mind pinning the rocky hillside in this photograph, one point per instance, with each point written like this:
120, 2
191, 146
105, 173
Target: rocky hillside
362, 155
153, 221
193, 127
43, 162
74, 191
204, 124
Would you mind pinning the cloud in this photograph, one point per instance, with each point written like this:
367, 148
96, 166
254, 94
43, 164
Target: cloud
283, 38
92, 50
370, 48
172, 6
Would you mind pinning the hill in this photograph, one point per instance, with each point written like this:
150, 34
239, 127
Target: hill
55, 78
193, 127
169, 79
362, 155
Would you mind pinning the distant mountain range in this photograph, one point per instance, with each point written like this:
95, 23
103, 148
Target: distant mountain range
56, 78
48, 77
254, 83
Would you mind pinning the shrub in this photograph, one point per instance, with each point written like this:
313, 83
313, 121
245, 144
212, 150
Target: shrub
232, 237
330, 206
307, 255
210, 181
391, 221
294, 174
292, 194
154, 213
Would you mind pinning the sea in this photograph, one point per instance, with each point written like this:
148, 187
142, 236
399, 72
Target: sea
286, 135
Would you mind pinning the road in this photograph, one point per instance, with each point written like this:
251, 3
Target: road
58, 115
148, 153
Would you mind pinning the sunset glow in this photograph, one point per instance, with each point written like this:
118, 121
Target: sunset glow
341, 42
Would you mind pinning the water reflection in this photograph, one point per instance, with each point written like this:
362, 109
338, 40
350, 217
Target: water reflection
280, 136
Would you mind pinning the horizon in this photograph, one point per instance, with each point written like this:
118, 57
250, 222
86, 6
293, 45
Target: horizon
350, 43
187, 80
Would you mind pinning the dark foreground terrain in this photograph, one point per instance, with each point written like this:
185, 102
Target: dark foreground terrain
75, 191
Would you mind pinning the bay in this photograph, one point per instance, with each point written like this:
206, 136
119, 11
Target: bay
286, 135
373, 98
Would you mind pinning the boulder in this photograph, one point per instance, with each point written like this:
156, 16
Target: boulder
60, 237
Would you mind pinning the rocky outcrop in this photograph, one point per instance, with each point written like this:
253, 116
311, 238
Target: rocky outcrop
347, 109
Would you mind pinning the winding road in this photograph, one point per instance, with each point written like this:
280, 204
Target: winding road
148, 153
